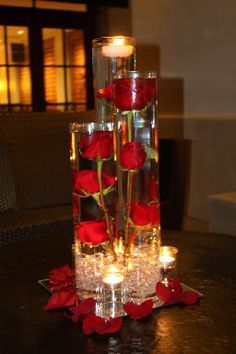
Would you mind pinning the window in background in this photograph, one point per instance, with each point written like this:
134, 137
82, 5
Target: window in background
64, 69
15, 81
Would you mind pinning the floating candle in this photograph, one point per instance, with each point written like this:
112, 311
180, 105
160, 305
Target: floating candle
117, 48
113, 275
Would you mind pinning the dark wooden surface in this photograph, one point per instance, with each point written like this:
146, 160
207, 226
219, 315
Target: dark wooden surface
206, 262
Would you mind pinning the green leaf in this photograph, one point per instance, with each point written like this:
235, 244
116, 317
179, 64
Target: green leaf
151, 153
106, 191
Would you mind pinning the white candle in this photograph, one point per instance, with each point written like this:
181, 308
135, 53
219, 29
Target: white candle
166, 260
168, 256
113, 276
117, 49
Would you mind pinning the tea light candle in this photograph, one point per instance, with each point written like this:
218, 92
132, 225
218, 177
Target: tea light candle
168, 256
113, 276
117, 48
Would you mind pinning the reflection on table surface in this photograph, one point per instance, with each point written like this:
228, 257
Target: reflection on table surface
206, 262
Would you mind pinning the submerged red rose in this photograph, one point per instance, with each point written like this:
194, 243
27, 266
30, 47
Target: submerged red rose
87, 180
93, 232
132, 156
105, 92
142, 214
134, 93
98, 144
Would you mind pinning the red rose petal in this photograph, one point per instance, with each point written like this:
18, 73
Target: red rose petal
61, 273
62, 299
163, 293
176, 288
105, 92
137, 312
91, 323
86, 307
110, 325
190, 297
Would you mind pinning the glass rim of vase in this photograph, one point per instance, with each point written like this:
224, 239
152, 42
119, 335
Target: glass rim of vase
173, 250
106, 40
90, 126
137, 74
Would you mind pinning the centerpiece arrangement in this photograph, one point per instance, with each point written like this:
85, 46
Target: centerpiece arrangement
115, 181
119, 261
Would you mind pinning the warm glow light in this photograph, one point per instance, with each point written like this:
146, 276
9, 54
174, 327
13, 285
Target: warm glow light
167, 256
113, 275
118, 41
3, 91
119, 246
73, 147
20, 32
117, 48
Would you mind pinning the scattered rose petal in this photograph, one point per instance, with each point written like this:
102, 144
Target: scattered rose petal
137, 312
61, 273
176, 288
163, 293
86, 307
74, 317
61, 278
62, 299
110, 325
190, 297
91, 323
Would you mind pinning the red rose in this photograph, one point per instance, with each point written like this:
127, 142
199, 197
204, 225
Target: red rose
105, 92
94, 232
87, 180
132, 156
97, 144
142, 214
133, 93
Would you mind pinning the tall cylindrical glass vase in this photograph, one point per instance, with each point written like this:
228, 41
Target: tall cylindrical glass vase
138, 202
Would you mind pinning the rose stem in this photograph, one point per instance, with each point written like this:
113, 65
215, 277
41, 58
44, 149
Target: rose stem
104, 208
129, 198
129, 118
130, 178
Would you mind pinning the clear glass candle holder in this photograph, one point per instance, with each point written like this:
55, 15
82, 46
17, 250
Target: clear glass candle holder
112, 278
168, 261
